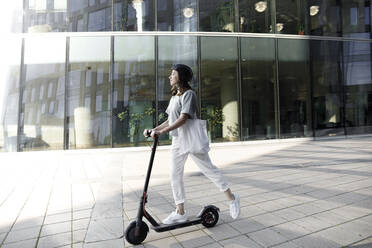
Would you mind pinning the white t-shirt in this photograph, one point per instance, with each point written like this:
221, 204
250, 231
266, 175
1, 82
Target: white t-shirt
184, 104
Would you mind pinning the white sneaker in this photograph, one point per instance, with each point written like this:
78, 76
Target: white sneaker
235, 207
174, 217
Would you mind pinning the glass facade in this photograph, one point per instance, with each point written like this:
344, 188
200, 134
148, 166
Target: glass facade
94, 73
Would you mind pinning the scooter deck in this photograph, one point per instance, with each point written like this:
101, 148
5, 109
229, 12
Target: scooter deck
190, 222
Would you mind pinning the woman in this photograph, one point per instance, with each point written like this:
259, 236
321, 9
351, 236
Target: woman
182, 106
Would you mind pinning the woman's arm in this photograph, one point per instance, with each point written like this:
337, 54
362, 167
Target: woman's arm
179, 122
161, 126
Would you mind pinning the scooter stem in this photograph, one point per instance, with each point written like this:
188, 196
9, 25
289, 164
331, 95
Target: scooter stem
156, 139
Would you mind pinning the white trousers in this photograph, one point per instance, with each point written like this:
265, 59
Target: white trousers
204, 163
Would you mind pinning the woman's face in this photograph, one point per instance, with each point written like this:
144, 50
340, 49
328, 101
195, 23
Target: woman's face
174, 79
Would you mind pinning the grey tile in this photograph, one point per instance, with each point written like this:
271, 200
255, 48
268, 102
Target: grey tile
21, 244
55, 240
221, 232
23, 234
240, 242
286, 245
115, 243
104, 229
291, 230
315, 241
267, 237
194, 239
169, 242
56, 228
247, 225
56, 218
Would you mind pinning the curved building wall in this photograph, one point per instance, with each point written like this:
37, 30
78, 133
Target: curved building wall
94, 73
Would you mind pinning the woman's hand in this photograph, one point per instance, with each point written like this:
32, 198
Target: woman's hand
145, 132
156, 133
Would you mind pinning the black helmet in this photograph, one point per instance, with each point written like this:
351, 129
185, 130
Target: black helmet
184, 72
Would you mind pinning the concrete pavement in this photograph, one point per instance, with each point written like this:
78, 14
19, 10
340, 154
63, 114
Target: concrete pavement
294, 193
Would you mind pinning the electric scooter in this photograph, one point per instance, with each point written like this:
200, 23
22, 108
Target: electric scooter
137, 230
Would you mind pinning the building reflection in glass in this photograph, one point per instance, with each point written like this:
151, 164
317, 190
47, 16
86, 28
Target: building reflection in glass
294, 88
177, 15
43, 102
358, 87
255, 17
258, 88
9, 93
134, 15
134, 89
327, 89
217, 16
219, 96
89, 111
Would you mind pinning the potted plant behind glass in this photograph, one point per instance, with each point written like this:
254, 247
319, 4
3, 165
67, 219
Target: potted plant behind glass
135, 120
301, 29
214, 117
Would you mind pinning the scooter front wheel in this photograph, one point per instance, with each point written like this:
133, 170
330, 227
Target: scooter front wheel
130, 233
210, 217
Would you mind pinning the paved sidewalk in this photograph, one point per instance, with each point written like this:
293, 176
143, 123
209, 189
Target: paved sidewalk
293, 194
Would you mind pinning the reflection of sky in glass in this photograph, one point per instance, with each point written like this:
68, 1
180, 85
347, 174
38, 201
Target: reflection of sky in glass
89, 49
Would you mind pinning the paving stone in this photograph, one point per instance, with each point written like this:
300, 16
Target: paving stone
268, 219
57, 218
23, 234
194, 239
80, 224
315, 241
27, 223
367, 243
267, 237
240, 242
78, 236
213, 245
82, 214
247, 225
55, 240
221, 232
289, 214
115, 243
52, 229
339, 236
104, 229
290, 230
21, 244
286, 245
170, 242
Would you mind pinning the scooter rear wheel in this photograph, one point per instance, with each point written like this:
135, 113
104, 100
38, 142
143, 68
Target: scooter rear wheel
210, 217
130, 233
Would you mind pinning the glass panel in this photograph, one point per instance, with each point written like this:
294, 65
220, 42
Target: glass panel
89, 110
258, 86
87, 15
327, 88
134, 89
174, 50
45, 16
9, 93
255, 16
43, 115
358, 87
219, 87
11, 16
324, 17
294, 93
217, 15
134, 15
356, 18
177, 15
290, 17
